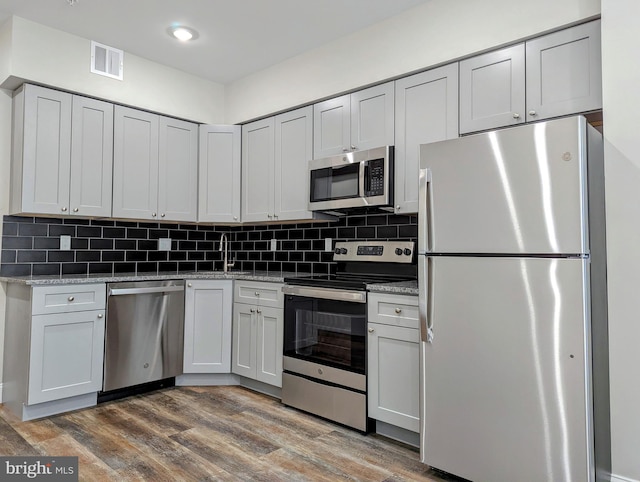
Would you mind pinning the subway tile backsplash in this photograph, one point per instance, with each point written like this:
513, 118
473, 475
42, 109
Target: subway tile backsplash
30, 246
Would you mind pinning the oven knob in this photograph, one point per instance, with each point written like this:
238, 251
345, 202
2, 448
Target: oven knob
343, 250
407, 252
399, 251
337, 251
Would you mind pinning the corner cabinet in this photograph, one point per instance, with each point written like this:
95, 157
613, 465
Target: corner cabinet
426, 111
219, 174
394, 360
354, 122
553, 75
207, 326
62, 154
258, 330
155, 167
54, 348
275, 156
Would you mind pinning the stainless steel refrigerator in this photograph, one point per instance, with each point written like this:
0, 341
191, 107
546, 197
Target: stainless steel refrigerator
512, 278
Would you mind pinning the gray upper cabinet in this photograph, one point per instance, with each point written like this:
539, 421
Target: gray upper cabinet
492, 90
148, 184
177, 170
135, 164
426, 111
293, 150
362, 120
275, 156
62, 153
564, 72
550, 76
257, 170
219, 174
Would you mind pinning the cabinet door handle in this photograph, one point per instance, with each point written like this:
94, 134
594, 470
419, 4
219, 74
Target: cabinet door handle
371, 330
189, 285
162, 215
252, 310
259, 310
398, 310
64, 209
75, 210
353, 148
344, 149
235, 218
516, 115
100, 315
153, 215
71, 298
257, 293
532, 113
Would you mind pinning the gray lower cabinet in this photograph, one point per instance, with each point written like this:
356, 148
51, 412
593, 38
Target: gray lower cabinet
553, 75
393, 353
155, 165
207, 326
353, 122
426, 111
219, 174
257, 340
62, 153
54, 347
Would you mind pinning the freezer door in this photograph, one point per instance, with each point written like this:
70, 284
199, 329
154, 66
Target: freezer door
504, 392
511, 191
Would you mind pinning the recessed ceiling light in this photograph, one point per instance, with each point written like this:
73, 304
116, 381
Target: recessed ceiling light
182, 33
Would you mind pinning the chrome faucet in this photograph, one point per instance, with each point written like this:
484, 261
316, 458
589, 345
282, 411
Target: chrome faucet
224, 247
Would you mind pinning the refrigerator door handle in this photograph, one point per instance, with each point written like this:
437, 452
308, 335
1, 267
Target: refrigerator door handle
425, 298
425, 212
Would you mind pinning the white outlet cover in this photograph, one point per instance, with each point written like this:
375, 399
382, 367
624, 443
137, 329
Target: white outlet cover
65, 242
164, 244
274, 245
327, 244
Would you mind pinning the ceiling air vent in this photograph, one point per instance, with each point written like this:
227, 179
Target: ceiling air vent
106, 60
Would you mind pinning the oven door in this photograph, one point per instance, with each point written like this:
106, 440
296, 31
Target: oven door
326, 327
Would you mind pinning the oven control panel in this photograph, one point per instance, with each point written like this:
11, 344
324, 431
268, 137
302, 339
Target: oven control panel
376, 251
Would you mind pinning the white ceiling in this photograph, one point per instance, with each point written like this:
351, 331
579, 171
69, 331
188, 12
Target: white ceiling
237, 37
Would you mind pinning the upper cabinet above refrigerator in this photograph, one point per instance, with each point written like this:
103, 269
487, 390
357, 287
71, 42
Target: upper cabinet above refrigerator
550, 76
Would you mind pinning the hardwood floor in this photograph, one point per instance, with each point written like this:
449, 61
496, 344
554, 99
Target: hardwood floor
209, 433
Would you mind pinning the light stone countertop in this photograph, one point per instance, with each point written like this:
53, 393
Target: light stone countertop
403, 287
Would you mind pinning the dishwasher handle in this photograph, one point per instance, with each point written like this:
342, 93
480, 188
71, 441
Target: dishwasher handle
142, 291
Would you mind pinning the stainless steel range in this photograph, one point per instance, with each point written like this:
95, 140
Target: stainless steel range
325, 329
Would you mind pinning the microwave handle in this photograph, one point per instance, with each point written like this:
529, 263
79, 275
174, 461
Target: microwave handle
361, 178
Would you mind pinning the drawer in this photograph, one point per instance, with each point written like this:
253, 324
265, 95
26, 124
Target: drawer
396, 310
67, 298
263, 294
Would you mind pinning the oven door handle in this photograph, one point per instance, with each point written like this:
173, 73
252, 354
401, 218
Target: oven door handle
326, 293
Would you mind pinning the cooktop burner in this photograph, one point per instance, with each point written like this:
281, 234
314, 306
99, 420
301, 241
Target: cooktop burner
365, 262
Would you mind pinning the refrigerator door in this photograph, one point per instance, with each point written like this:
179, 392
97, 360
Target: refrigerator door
504, 393
511, 191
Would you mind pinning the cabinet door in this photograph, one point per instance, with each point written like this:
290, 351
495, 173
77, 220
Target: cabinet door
492, 90
44, 137
372, 117
257, 170
207, 326
66, 355
135, 164
219, 174
564, 72
177, 170
269, 345
394, 371
91, 157
426, 111
332, 127
293, 151
243, 349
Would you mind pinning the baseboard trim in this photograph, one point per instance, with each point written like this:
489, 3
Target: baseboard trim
620, 478
206, 379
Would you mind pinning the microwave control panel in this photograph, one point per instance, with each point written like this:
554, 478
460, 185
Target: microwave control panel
374, 178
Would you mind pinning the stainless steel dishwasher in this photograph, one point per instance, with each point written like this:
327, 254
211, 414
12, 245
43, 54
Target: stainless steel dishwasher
144, 332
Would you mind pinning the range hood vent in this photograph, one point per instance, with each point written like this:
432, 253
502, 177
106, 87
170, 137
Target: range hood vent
107, 61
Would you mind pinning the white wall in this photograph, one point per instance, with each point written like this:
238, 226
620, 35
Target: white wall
433, 33
48, 56
621, 96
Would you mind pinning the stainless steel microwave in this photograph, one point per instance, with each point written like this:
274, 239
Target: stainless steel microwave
352, 180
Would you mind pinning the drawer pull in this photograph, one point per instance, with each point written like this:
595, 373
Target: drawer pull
371, 330
398, 311
71, 298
